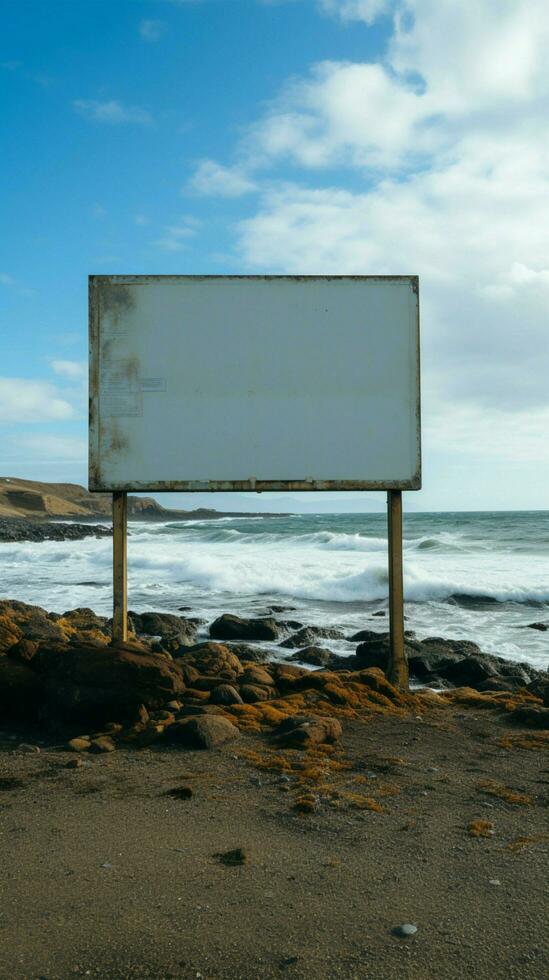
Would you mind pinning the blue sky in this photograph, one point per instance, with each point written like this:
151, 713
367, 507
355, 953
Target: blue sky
319, 136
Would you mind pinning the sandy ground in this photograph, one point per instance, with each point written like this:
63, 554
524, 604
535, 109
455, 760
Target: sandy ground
104, 875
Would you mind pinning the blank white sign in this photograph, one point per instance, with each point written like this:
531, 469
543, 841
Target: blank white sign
254, 383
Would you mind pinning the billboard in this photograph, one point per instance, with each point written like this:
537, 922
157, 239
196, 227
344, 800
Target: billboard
254, 383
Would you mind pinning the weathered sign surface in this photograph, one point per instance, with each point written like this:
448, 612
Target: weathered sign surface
254, 383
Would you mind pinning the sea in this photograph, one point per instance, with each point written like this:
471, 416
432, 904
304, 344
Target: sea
475, 576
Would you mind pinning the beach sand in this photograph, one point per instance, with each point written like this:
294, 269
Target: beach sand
106, 875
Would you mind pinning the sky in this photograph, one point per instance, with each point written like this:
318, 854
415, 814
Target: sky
286, 136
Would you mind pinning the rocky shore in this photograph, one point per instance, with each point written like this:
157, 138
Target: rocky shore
61, 671
21, 529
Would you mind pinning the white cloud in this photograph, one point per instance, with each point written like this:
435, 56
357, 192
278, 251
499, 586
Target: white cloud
24, 400
151, 30
48, 446
75, 370
367, 10
7, 280
211, 178
112, 112
174, 237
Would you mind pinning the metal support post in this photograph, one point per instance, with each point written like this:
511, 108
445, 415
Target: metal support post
120, 567
397, 671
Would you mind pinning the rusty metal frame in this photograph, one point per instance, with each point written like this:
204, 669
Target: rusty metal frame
96, 484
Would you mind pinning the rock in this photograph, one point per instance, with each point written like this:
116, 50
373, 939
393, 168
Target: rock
213, 660
166, 625
460, 648
317, 656
202, 732
540, 688
307, 636
34, 623
375, 679
364, 636
225, 694
10, 634
287, 677
252, 693
302, 731
98, 683
229, 627
74, 763
79, 744
405, 930
256, 675
542, 627
247, 653
20, 689
24, 651
495, 684
234, 858
102, 744
380, 612
468, 672
180, 793
27, 748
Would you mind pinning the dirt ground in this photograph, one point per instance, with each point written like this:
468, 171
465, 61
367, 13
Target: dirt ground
105, 874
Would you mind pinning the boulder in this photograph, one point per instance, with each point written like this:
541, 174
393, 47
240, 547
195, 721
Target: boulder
302, 732
375, 679
252, 693
24, 651
225, 694
287, 677
213, 660
316, 656
540, 688
100, 684
363, 636
254, 674
229, 627
468, 671
308, 635
174, 630
202, 732
10, 634
32, 622
248, 653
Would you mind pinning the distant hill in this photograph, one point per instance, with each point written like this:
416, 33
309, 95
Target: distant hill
31, 499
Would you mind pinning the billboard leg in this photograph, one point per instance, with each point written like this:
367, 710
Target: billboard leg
397, 671
120, 569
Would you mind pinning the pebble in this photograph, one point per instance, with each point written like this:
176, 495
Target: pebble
405, 930
494, 881
106, 866
26, 747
